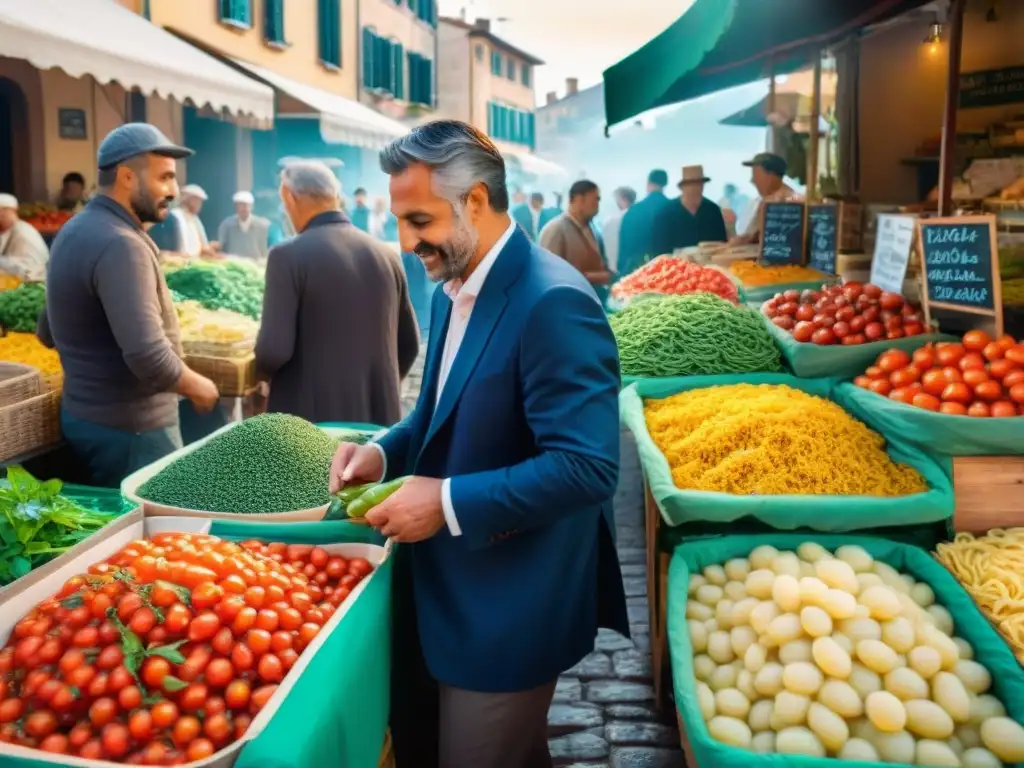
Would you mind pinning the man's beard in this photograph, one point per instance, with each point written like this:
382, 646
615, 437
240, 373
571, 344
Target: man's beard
150, 210
454, 255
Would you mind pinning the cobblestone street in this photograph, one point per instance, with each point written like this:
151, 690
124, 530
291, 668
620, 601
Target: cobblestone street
603, 712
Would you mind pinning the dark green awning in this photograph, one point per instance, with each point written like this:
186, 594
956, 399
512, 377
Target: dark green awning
719, 44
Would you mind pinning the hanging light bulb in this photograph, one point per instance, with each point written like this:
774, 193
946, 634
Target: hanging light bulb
934, 36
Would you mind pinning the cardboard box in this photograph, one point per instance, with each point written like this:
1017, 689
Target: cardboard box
42, 583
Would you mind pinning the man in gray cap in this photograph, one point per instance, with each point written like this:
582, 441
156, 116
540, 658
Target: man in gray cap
109, 314
768, 172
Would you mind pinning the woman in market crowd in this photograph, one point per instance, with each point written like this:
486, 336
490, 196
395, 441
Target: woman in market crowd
338, 331
508, 566
691, 218
767, 173
109, 314
23, 252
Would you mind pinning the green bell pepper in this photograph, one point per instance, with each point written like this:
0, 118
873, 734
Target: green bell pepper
372, 497
350, 493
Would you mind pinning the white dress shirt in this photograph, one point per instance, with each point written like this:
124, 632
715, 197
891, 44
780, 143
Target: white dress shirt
193, 233
610, 235
463, 297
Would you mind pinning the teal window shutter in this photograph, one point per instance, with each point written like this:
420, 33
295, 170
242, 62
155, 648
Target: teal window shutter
511, 69
398, 71
329, 23
382, 64
431, 97
273, 21
495, 63
491, 122
237, 13
368, 56
525, 75
531, 128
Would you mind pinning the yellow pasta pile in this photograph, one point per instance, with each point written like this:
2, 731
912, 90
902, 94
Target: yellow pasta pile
772, 440
26, 349
991, 569
752, 274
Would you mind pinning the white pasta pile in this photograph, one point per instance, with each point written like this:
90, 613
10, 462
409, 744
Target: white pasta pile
822, 654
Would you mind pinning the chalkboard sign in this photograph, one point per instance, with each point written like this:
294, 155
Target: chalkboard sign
894, 242
71, 123
822, 237
960, 264
782, 233
992, 87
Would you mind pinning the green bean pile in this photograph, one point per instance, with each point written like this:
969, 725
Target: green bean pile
697, 334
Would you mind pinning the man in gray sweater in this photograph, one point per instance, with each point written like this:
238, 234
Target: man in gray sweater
244, 234
110, 317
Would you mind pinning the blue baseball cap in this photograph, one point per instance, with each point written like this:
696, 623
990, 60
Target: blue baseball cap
134, 139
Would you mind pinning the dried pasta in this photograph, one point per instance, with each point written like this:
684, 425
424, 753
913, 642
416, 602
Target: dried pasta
752, 274
991, 569
772, 440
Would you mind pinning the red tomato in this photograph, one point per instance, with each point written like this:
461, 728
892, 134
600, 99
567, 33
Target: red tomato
260, 697
165, 713
785, 322
913, 329
203, 627
1017, 393
953, 409
186, 729
998, 369
888, 362
236, 695
1015, 354
879, 386
193, 697
154, 670
924, 358
860, 381
949, 354
979, 410
926, 401
890, 301
875, 372
975, 376
823, 336
874, 330
989, 390
1002, 409
972, 360
934, 382
993, 351
270, 669
905, 376
1013, 378
957, 392
952, 374
976, 340
206, 595
219, 673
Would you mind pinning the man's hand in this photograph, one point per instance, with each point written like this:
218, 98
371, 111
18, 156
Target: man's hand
412, 513
355, 464
204, 395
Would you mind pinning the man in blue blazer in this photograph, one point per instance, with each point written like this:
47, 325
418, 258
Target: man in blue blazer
512, 449
534, 216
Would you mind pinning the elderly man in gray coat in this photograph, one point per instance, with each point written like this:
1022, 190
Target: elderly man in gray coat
338, 331
244, 234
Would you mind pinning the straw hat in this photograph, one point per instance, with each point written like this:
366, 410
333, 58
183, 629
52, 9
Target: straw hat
693, 174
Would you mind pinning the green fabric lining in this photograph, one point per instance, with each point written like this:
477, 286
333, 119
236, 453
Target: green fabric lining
825, 513
970, 624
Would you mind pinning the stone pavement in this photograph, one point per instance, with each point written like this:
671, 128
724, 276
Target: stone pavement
603, 712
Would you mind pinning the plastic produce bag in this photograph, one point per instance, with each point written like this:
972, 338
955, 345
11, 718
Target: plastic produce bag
817, 512
814, 360
970, 624
936, 432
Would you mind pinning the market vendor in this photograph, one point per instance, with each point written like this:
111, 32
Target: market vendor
338, 331
507, 566
194, 241
768, 172
109, 314
72, 192
244, 234
690, 219
23, 252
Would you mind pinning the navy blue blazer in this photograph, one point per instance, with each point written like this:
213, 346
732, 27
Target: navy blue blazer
527, 427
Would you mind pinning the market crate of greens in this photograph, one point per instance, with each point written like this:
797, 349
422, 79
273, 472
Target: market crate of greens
698, 334
838, 330
761, 282
220, 285
270, 467
788, 650
178, 645
20, 307
963, 398
772, 447
42, 520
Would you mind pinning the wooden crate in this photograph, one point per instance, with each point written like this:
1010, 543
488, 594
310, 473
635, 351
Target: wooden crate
989, 492
234, 377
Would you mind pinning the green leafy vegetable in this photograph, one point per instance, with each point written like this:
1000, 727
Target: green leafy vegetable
20, 307
38, 523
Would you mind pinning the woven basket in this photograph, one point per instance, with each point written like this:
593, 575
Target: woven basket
29, 425
18, 383
233, 377
52, 382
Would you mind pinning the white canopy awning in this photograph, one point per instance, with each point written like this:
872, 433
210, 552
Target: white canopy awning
107, 41
537, 166
342, 121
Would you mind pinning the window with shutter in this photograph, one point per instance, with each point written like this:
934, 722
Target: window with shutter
511, 69
525, 74
491, 122
329, 29
398, 70
382, 64
368, 56
495, 63
237, 13
531, 128
273, 21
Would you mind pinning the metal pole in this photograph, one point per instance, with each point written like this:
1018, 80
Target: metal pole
812, 154
947, 157
771, 111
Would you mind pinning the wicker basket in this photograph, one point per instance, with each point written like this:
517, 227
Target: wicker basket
234, 377
18, 383
29, 425
52, 382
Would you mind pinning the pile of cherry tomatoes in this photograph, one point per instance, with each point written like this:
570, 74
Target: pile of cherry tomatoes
979, 376
854, 313
667, 274
166, 652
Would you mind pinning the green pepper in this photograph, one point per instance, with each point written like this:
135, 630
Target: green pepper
350, 493
372, 497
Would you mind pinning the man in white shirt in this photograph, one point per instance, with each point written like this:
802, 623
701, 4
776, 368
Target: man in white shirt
768, 172
194, 242
507, 565
624, 199
23, 252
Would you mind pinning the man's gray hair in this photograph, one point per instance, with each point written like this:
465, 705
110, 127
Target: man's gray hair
311, 178
459, 156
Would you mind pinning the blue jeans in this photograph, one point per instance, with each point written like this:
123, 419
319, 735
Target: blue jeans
112, 454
